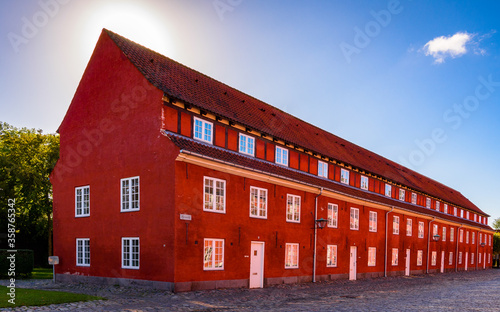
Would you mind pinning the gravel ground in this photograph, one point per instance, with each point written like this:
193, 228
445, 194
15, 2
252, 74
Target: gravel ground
462, 291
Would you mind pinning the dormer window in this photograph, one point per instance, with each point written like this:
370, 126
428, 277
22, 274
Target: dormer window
364, 183
414, 198
388, 190
438, 205
203, 130
281, 156
344, 176
247, 145
322, 169
401, 194
428, 203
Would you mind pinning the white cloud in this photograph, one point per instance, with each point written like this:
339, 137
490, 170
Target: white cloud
452, 46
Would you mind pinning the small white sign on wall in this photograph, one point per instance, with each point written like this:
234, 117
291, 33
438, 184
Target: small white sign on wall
185, 217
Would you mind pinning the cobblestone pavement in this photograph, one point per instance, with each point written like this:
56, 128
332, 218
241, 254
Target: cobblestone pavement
463, 291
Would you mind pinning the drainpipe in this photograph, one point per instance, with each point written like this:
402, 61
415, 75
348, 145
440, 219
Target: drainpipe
429, 243
456, 252
386, 233
315, 232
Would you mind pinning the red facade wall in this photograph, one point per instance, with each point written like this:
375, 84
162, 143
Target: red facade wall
90, 154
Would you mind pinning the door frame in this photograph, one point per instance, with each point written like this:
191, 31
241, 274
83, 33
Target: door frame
353, 262
407, 262
261, 257
442, 261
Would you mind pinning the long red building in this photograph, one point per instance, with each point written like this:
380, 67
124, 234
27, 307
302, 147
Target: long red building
170, 178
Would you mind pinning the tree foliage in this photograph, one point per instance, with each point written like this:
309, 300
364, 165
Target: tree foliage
27, 157
496, 243
496, 224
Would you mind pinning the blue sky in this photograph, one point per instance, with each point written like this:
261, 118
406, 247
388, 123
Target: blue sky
415, 81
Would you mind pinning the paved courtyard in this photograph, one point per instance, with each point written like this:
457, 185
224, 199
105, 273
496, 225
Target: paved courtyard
463, 291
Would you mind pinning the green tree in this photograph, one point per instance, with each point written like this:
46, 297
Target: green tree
496, 224
27, 156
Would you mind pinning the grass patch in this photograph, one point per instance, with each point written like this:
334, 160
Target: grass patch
36, 297
41, 273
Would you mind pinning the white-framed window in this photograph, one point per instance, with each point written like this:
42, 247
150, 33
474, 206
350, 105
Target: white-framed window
428, 203
434, 229
395, 225
130, 252
479, 259
130, 194
420, 229
281, 156
214, 198
213, 254
455, 211
83, 252
473, 238
467, 237
247, 144
438, 205
414, 198
258, 202
452, 234
82, 201
420, 255
481, 237
445, 208
461, 236
331, 256
450, 258
489, 237
433, 257
333, 215
467, 215
459, 257
394, 256
472, 258
372, 223
203, 130
293, 208
475, 217
291, 256
354, 219
364, 182
461, 213
388, 190
322, 169
401, 194
409, 225
372, 256
444, 234
344, 176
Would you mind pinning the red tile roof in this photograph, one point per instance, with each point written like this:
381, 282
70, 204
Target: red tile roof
191, 146
187, 85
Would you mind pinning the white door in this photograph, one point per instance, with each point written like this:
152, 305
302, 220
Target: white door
257, 265
407, 262
442, 261
466, 260
352, 263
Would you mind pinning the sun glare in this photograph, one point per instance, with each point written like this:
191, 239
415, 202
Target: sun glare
141, 24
